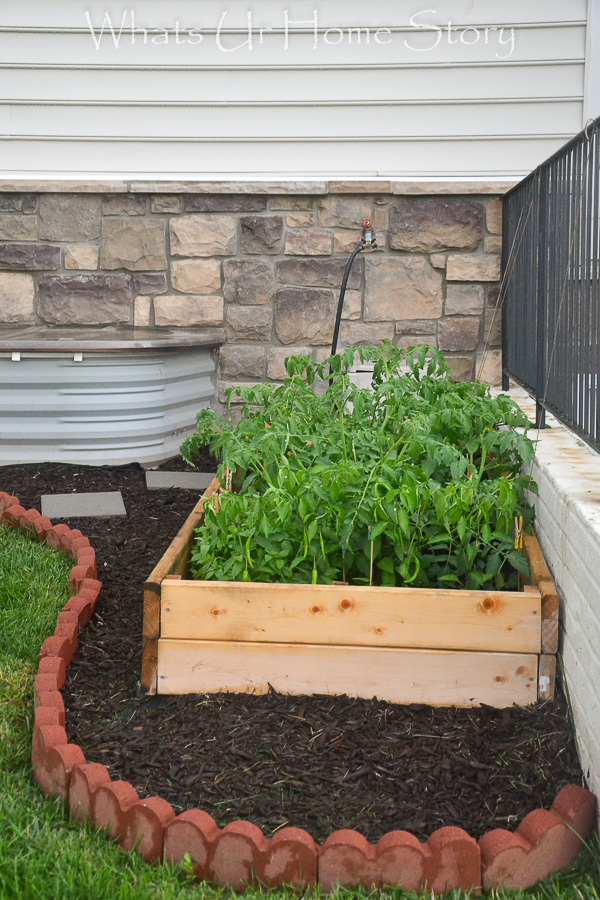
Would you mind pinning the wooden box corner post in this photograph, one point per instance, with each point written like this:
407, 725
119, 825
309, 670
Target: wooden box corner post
541, 580
174, 563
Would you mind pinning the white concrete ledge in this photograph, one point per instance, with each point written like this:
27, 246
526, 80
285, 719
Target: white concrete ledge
567, 472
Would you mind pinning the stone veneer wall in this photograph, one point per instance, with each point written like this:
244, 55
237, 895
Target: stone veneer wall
268, 267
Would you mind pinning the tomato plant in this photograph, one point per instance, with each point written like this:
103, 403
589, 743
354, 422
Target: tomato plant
412, 482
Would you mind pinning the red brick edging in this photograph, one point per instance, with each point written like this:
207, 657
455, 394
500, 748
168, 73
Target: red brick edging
545, 841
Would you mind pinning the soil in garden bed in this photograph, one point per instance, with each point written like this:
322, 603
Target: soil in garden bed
319, 763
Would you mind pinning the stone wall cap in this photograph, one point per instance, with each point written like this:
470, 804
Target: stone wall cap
453, 187
44, 338
63, 186
283, 187
288, 186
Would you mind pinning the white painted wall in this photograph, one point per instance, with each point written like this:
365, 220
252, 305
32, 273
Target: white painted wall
567, 472
415, 101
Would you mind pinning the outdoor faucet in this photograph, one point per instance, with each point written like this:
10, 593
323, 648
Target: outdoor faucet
368, 234
367, 240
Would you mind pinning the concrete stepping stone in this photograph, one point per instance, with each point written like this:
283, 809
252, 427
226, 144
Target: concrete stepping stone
70, 506
191, 481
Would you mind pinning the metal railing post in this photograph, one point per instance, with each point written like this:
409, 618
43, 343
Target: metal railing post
541, 298
501, 304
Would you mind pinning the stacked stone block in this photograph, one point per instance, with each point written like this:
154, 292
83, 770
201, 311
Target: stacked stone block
266, 267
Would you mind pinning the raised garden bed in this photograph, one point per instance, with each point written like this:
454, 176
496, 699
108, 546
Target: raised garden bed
403, 645
373, 545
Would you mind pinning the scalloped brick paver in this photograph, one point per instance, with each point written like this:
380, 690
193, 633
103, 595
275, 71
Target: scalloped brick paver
240, 853
546, 841
449, 859
85, 781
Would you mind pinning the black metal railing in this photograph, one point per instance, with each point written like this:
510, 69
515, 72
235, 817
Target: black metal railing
551, 285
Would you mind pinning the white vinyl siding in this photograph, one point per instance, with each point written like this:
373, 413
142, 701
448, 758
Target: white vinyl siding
381, 108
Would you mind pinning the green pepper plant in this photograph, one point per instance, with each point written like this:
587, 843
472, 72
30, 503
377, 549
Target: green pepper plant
410, 482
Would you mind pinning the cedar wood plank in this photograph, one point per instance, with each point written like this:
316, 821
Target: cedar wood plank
437, 677
352, 615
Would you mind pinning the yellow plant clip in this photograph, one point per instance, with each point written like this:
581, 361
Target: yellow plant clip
519, 533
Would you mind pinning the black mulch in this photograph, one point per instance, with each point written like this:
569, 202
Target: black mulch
319, 763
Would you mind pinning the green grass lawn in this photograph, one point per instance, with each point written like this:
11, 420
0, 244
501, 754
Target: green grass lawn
46, 856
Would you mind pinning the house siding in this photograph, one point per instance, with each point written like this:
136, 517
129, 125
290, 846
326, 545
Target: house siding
412, 103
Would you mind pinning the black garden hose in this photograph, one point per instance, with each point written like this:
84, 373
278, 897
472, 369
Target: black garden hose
367, 240
340, 306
